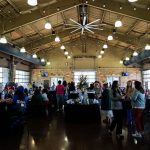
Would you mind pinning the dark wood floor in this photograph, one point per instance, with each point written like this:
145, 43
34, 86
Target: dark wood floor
53, 133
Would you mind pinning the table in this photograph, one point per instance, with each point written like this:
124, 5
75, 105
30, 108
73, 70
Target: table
82, 113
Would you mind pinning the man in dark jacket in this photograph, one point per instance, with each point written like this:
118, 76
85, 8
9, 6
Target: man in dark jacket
106, 104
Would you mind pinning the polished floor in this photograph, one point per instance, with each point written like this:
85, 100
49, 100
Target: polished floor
53, 133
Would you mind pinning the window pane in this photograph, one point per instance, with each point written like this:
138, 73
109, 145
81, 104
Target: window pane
146, 79
91, 76
22, 77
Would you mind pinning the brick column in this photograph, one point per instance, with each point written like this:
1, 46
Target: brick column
12, 67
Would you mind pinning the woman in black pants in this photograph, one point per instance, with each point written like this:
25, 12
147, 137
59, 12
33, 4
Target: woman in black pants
117, 108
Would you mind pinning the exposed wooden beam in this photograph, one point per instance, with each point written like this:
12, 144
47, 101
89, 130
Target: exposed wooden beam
132, 27
25, 19
47, 39
140, 14
64, 18
147, 31
14, 6
35, 15
102, 16
118, 36
36, 30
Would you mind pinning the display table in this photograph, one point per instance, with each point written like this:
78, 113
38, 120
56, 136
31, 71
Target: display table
82, 113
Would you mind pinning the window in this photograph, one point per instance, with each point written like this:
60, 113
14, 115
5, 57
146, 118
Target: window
55, 80
4, 75
22, 77
146, 79
110, 79
91, 76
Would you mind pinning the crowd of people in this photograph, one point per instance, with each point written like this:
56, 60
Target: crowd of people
132, 99
112, 100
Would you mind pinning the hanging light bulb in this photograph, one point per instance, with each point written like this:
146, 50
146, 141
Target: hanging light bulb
3, 40
127, 58
62, 47
32, 2
102, 51
22, 50
118, 23
132, 1
57, 39
105, 46
48, 63
48, 26
68, 57
53, 32
66, 53
147, 47
42, 60
121, 62
99, 56
34, 56
110, 37
135, 53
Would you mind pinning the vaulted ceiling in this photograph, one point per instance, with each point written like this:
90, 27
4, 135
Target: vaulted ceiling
23, 25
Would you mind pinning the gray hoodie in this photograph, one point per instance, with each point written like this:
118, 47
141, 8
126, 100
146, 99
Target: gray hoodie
116, 102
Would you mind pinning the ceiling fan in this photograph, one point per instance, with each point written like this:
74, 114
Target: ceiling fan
84, 26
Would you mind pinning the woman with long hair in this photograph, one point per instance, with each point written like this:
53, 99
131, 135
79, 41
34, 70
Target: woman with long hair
117, 108
128, 107
66, 91
138, 105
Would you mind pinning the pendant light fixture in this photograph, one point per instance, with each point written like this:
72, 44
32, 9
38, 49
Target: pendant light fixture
34, 56
62, 47
105, 46
110, 38
127, 58
99, 56
3, 40
68, 57
22, 50
48, 63
32, 2
147, 47
42, 60
135, 53
118, 23
48, 26
132, 1
121, 62
102, 51
66, 52
53, 32
57, 39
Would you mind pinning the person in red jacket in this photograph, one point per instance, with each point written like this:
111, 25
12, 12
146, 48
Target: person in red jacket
59, 95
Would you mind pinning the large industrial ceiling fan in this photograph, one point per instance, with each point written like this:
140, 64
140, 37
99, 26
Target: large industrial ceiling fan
83, 24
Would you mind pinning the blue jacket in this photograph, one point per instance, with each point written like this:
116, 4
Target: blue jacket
138, 99
24, 99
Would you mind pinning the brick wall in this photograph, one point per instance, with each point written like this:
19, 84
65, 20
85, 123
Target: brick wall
101, 74
134, 74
